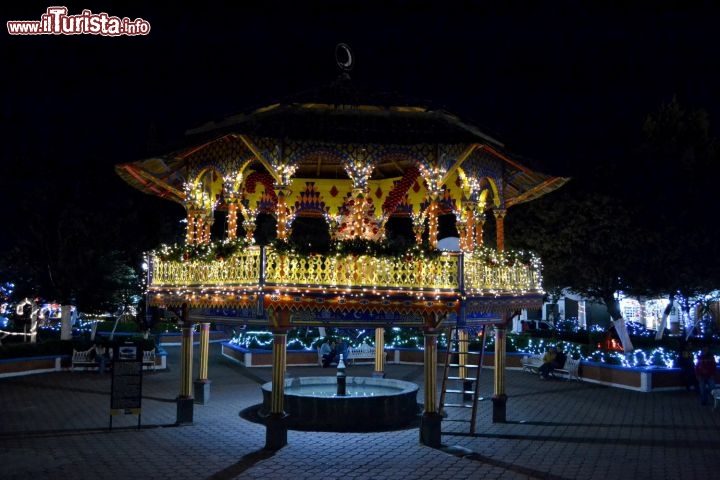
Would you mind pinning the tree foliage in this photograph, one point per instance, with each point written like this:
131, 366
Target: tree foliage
585, 239
679, 163
81, 245
642, 224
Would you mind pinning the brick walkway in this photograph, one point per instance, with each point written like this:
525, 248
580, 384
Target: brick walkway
55, 425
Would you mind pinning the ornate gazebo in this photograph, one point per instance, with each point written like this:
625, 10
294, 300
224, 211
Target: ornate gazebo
358, 161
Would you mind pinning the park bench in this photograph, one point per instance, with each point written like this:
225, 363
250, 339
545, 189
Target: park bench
148, 360
569, 370
87, 359
531, 363
361, 352
84, 359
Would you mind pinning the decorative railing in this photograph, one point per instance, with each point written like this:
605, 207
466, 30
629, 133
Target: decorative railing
349, 271
363, 271
484, 277
242, 268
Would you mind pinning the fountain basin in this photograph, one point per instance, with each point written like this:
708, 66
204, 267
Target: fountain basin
371, 404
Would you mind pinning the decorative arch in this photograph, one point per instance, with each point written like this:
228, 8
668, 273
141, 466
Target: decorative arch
302, 152
260, 202
205, 189
488, 192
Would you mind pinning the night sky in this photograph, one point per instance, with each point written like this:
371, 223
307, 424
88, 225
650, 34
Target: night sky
565, 83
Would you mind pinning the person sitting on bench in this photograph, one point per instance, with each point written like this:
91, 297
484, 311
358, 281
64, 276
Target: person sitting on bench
329, 353
553, 359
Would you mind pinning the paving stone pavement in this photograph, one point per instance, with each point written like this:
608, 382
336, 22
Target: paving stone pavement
55, 426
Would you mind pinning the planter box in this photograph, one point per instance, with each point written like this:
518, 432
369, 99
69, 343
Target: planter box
175, 338
264, 358
16, 367
13, 367
171, 338
643, 379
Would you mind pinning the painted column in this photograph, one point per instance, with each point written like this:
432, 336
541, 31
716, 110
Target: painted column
276, 431
202, 384
430, 424
379, 353
479, 224
418, 222
462, 352
232, 218
276, 427
462, 229
209, 220
500, 227
470, 233
499, 398
432, 217
281, 213
466, 226
190, 231
185, 399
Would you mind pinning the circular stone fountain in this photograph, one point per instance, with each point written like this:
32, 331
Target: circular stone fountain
370, 404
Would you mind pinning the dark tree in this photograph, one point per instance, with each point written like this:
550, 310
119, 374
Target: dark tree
677, 173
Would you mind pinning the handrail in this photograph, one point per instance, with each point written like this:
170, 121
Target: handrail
263, 267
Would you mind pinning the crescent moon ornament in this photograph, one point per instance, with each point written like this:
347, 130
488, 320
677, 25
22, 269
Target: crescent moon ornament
343, 57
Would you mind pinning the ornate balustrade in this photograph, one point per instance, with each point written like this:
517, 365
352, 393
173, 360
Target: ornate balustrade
348, 271
483, 277
363, 271
242, 268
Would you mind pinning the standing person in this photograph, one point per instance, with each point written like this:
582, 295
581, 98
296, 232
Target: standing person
705, 372
686, 363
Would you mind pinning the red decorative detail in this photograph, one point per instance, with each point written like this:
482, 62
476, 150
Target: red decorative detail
416, 187
265, 179
334, 191
611, 344
400, 189
378, 192
458, 181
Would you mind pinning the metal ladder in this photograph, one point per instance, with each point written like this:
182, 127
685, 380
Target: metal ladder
461, 376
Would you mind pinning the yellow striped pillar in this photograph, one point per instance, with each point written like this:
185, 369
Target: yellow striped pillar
431, 420
499, 398
185, 399
202, 384
278, 373
204, 350
276, 428
379, 353
462, 353
186, 360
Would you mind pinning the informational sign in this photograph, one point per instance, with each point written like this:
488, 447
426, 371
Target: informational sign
126, 389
